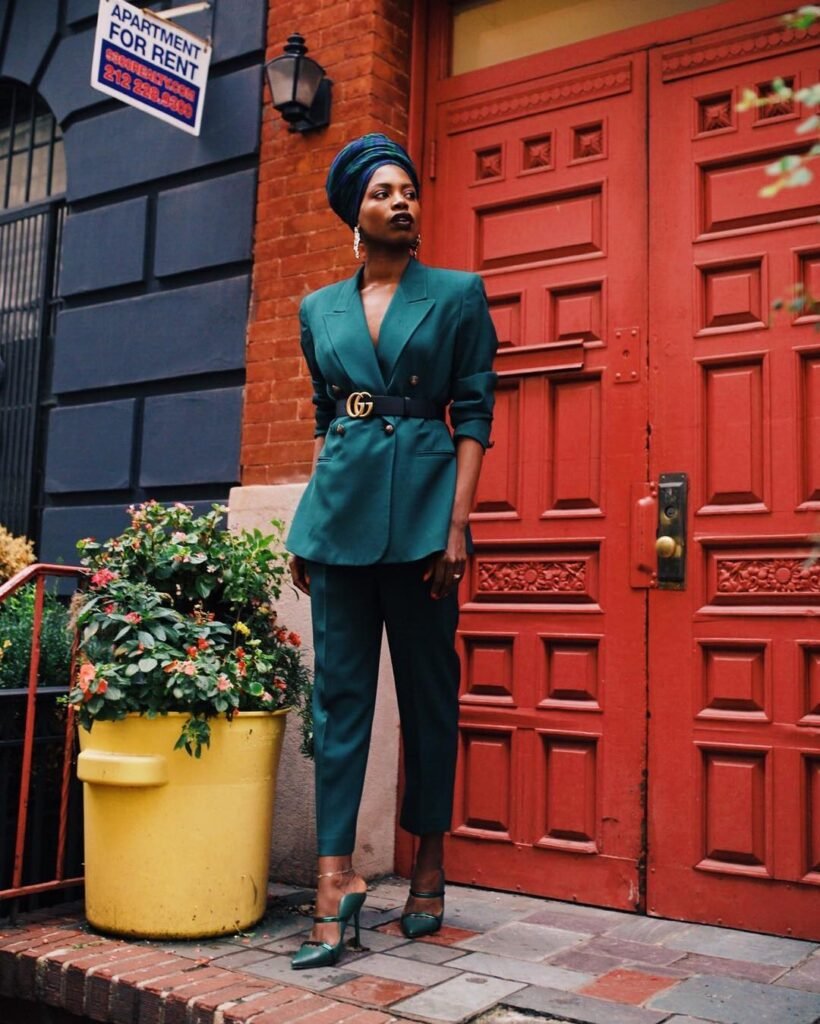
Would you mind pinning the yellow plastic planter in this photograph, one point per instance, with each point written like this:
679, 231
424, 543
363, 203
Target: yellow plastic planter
178, 847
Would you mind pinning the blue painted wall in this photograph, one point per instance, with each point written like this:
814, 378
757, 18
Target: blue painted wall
148, 361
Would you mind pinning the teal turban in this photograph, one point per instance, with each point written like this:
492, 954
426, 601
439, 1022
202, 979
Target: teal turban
353, 167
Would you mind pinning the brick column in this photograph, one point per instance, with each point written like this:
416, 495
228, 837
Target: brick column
300, 245
364, 46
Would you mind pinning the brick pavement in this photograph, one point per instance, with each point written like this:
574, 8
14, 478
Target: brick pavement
501, 958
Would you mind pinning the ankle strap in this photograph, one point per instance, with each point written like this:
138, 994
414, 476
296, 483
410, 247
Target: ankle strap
427, 895
328, 920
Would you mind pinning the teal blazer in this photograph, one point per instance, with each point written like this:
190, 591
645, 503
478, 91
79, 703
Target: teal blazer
382, 489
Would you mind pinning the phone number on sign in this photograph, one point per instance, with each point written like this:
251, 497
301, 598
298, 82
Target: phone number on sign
139, 87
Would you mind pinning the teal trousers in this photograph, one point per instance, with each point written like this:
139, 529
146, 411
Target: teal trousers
349, 607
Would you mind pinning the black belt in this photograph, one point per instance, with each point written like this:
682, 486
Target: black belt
361, 405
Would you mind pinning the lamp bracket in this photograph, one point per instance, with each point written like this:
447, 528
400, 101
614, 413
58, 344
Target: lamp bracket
180, 12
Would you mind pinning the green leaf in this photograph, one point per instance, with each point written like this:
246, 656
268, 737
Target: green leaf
90, 630
131, 670
113, 693
147, 664
146, 639
800, 176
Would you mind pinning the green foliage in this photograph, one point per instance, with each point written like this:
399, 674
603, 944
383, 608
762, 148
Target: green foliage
800, 303
804, 18
792, 170
16, 627
180, 617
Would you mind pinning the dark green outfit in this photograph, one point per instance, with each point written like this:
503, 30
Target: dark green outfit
378, 504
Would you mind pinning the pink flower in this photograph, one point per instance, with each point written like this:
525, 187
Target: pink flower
178, 537
102, 577
294, 639
280, 684
223, 683
102, 686
282, 635
109, 608
134, 618
266, 697
86, 674
188, 668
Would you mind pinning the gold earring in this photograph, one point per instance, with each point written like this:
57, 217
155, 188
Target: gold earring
357, 241
414, 248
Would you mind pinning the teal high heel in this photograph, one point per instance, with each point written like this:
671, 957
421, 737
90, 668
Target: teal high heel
323, 954
417, 924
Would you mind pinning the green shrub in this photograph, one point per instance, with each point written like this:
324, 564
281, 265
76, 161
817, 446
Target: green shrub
16, 624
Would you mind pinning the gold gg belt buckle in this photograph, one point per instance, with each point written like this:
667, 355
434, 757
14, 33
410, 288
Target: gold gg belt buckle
359, 405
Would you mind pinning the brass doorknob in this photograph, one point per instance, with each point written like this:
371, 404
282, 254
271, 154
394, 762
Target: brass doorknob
666, 547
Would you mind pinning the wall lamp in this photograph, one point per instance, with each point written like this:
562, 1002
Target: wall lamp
299, 87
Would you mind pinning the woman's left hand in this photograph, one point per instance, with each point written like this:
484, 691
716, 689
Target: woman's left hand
446, 568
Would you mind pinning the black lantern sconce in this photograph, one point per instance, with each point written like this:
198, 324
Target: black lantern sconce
299, 87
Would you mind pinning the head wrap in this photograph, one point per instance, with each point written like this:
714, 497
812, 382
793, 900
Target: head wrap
353, 167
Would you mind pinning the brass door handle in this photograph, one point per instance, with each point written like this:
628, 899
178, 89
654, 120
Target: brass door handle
666, 547
670, 542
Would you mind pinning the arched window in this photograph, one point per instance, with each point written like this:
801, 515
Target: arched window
32, 161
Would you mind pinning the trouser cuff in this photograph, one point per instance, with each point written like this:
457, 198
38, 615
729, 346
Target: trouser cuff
336, 846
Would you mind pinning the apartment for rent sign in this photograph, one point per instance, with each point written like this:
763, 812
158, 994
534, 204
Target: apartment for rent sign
151, 64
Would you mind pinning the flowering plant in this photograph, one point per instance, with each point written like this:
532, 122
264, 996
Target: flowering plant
179, 616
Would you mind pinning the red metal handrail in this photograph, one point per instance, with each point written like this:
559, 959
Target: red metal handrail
38, 574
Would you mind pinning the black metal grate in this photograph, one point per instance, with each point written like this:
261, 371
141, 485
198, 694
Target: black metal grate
44, 798
29, 243
32, 168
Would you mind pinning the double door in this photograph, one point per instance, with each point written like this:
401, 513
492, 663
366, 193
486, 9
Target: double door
639, 725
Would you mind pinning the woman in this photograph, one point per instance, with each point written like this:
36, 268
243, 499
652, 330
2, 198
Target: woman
380, 535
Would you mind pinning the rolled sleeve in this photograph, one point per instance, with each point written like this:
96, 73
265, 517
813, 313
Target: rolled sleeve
473, 383
324, 405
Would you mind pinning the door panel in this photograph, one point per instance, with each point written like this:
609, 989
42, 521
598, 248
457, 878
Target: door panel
734, 756
541, 189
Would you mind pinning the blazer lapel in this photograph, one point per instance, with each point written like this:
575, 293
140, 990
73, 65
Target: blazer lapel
350, 339
408, 308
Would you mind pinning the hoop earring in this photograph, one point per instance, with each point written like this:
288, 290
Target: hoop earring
414, 248
357, 241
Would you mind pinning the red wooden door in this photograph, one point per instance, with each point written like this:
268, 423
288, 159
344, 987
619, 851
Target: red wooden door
540, 187
734, 766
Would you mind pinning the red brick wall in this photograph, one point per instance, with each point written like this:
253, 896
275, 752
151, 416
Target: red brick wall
364, 46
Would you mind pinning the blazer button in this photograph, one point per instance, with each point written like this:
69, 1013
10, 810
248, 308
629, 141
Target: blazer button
389, 428
413, 381
340, 428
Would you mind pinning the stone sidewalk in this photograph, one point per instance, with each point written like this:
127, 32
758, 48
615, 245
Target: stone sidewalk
501, 957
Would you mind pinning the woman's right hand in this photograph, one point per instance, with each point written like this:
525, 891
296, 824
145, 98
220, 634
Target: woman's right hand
299, 574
